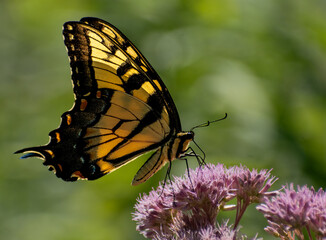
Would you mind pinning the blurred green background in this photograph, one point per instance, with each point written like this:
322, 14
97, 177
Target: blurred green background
262, 62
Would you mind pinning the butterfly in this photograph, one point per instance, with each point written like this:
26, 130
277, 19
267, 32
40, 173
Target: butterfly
122, 109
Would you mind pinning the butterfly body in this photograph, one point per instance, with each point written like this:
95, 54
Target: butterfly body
122, 109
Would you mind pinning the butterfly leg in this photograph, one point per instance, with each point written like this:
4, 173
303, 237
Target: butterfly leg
168, 176
165, 178
188, 172
192, 153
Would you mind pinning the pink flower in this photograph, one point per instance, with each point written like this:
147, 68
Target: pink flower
187, 207
292, 211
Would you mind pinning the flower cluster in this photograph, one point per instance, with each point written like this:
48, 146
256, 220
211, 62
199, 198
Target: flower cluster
250, 187
291, 212
187, 207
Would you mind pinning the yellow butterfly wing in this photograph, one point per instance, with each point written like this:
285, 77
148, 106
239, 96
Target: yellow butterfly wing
122, 108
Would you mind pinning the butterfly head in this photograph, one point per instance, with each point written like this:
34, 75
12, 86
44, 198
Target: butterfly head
185, 138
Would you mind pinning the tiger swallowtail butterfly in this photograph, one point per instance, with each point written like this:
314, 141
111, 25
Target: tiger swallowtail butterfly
122, 109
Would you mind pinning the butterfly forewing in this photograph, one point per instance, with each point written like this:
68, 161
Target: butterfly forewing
139, 62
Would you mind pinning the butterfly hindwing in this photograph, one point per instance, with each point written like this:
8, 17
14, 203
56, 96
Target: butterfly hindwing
128, 127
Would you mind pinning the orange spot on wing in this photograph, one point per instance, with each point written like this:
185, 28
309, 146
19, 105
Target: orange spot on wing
78, 174
57, 136
68, 119
50, 152
83, 104
60, 167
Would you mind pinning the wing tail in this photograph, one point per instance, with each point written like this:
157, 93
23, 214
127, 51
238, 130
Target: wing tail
32, 152
43, 153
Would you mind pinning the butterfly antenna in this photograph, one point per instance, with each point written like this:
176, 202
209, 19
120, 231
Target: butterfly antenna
206, 124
